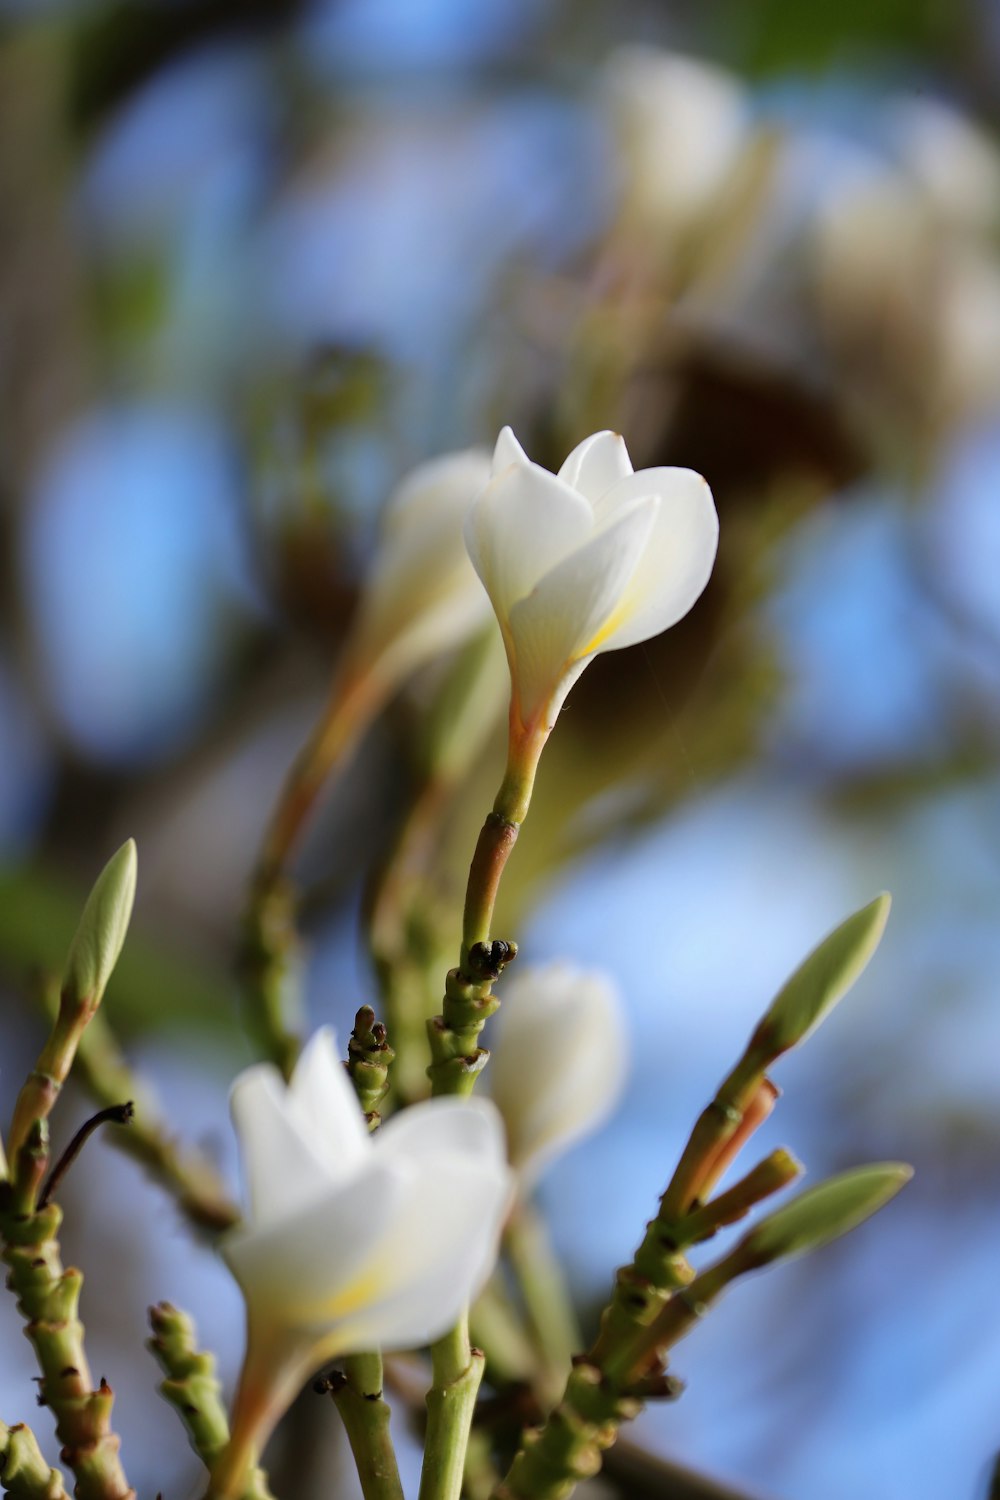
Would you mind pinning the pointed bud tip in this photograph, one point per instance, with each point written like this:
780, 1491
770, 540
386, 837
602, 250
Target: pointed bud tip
823, 978
823, 1213
100, 935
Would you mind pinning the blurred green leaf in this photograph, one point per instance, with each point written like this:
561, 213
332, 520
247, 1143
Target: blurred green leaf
776, 36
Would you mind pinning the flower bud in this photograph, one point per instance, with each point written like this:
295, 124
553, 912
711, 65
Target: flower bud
821, 1214
421, 597
559, 1061
680, 125
100, 935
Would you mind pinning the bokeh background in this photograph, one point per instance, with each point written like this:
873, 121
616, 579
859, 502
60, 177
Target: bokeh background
255, 261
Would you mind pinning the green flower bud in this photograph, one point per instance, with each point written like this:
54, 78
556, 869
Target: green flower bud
821, 980
100, 936
822, 1214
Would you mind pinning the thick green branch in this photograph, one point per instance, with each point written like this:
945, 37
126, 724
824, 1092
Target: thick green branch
451, 1402
47, 1297
357, 1395
24, 1473
193, 1390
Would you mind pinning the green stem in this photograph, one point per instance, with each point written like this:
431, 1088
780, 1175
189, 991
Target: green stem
717, 1127
496, 1328
43, 1085
628, 1363
481, 1474
357, 1396
543, 1288
571, 1445
768, 1177
192, 1389
24, 1473
451, 1401
268, 944
493, 848
47, 1297
353, 702
369, 1059
656, 1300
268, 960
402, 922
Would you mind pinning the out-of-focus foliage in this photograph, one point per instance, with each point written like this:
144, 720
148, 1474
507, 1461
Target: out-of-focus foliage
255, 263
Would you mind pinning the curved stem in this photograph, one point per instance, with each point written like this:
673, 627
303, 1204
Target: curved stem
268, 944
498, 836
543, 1289
270, 1380
468, 999
353, 703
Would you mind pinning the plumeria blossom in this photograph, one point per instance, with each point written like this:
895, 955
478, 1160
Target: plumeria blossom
421, 597
560, 1061
591, 559
353, 1241
682, 126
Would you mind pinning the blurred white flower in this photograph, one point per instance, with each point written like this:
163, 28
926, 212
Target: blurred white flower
591, 559
353, 1241
968, 369
872, 254
421, 597
953, 162
559, 1061
905, 288
681, 125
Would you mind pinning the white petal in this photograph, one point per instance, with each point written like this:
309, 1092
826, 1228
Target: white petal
440, 1251
596, 464
311, 1270
325, 1107
507, 451
422, 595
523, 524
681, 125
677, 561
564, 618
469, 1127
282, 1166
441, 487
560, 1060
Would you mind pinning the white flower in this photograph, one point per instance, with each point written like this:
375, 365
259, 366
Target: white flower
353, 1241
591, 559
951, 159
681, 126
559, 1061
968, 368
421, 596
